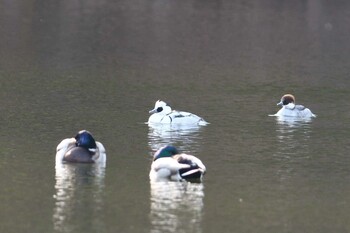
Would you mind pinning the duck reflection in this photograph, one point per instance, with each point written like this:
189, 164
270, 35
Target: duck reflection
78, 198
291, 131
293, 136
184, 136
176, 206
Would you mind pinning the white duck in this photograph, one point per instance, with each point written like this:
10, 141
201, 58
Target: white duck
81, 149
290, 109
169, 165
162, 113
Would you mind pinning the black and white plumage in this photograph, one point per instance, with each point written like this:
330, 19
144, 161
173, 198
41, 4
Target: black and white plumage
170, 165
81, 149
162, 113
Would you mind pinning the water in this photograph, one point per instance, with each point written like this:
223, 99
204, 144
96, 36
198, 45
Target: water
101, 65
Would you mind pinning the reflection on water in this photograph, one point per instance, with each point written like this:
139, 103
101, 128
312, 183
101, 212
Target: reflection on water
291, 132
185, 137
98, 65
293, 137
176, 206
78, 186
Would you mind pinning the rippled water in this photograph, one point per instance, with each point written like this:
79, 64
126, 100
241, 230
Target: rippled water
176, 206
78, 186
101, 65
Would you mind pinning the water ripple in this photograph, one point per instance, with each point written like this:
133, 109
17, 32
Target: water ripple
176, 206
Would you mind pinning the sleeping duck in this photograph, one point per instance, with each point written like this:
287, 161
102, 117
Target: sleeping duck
81, 149
290, 109
169, 165
162, 113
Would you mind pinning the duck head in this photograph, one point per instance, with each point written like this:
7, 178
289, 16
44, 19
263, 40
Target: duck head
85, 139
161, 107
286, 99
166, 151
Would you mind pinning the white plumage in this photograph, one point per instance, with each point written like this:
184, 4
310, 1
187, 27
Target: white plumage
290, 109
162, 113
170, 165
83, 152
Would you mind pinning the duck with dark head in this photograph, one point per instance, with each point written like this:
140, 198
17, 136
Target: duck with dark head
290, 109
171, 165
81, 149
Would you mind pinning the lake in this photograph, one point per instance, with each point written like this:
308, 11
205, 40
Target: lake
101, 66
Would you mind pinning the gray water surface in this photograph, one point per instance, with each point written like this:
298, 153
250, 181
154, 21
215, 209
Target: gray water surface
101, 65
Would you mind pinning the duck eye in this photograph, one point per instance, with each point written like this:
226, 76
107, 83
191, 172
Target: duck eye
159, 109
285, 102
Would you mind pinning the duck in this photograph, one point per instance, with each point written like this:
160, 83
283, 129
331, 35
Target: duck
162, 113
290, 109
80, 149
171, 165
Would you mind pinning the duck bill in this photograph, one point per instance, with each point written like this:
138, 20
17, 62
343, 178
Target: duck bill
280, 103
153, 111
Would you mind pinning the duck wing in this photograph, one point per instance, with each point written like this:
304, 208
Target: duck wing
196, 168
166, 169
100, 155
64, 146
179, 114
180, 117
299, 107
